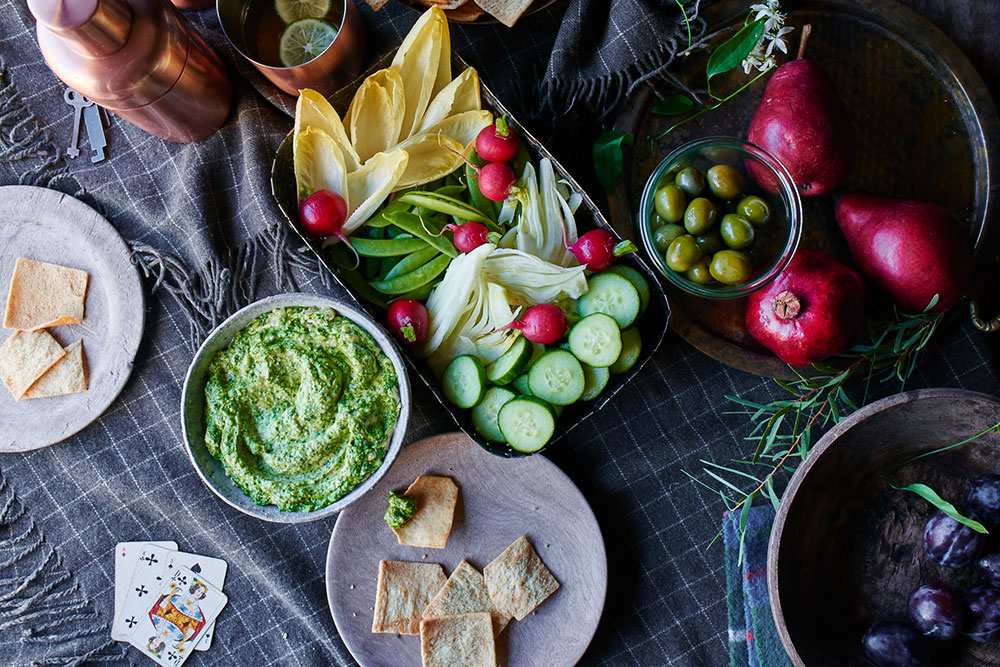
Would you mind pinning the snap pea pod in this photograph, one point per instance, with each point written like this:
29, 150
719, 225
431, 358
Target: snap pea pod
414, 279
412, 224
380, 219
412, 262
387, 264
352, 278
421, 293
370, 266
448, 206
387, 247
457, 191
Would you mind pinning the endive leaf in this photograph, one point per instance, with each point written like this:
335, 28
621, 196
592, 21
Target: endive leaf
314, 110
431, 156
370, 185
462, 127
459, 96
375, 117
319, 164
419, 62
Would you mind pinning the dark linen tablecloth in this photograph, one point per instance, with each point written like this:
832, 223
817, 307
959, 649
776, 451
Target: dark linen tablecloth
127, 477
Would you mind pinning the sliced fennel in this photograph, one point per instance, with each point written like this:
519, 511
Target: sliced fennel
545, 224
532, 279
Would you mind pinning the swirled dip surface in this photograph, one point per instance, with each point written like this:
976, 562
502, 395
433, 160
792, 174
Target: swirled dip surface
300, 407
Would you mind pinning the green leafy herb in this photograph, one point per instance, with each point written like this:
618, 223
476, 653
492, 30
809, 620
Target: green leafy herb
734, 50
931, 496
625, 247
609, 155
674, 105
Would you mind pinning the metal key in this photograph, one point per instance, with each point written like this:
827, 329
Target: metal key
95, 132
78, 102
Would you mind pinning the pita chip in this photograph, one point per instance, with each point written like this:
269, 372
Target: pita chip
403, 591
465, 640
465, 593
518, 580
67, 376
430, 525
44, 295
25, 356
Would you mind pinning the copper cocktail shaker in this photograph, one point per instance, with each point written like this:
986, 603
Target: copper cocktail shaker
139, 59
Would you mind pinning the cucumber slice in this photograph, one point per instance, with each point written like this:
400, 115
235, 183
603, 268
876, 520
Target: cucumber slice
511, 363
594, 381
631, 347
596, 340
527, 423
464, 381
520, 385
638, 282
484, 415
612, 295
556, 377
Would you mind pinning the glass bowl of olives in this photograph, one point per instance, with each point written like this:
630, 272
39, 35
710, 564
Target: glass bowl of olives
710, 228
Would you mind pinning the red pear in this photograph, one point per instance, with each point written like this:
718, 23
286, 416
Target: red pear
802, 121
910, 249
814, 309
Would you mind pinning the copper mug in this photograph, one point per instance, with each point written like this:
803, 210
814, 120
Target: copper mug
337, 66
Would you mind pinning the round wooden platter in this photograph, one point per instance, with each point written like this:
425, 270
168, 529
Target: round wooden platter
926, 129
46, 225
499, 500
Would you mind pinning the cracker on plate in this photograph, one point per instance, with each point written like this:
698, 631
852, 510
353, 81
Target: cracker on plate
465, 593
404, 589
67, 376
518, 580
465, 640
431, 524
44, 295
25, 356
505, 11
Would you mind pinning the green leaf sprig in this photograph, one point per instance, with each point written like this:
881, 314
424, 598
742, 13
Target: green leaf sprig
931, 496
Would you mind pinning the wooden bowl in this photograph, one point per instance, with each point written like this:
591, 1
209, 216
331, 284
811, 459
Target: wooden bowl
846, 549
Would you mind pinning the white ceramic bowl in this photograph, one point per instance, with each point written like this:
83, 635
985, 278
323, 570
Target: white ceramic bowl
193, 407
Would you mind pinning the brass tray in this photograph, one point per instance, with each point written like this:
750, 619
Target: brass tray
926, 129
652, 325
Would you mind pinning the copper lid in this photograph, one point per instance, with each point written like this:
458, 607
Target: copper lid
92, 27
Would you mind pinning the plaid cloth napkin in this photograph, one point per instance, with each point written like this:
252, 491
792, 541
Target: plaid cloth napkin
753, 637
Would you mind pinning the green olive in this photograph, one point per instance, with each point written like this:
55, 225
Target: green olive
725, 182
691, 181
683, 253
754, 209
664, 235
670, 203
730, 267
700, 216
699, 273
710, 243
737, 232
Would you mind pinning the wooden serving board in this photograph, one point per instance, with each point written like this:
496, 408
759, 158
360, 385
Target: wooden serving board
46, 225
925, 124
499, 500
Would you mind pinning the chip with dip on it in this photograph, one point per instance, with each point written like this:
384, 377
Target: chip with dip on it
518, 580
403, 591
25, 356
44, 295
430, 525
465, 593
465, 640
67, 376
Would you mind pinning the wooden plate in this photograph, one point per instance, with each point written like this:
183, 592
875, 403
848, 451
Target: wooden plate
926, 129
49, 226
462, 14
497, 504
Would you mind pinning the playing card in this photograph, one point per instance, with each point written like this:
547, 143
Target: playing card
126, 555
147, 578
213, 570
174, 621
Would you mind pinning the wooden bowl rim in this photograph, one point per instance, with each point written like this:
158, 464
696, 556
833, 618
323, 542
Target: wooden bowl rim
798, 478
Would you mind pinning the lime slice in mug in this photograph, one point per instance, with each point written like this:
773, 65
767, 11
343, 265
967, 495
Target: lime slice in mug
303, 40
293, 10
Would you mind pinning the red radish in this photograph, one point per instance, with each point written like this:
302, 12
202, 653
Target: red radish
496, 143
597, 249
913, 250
467, 236
544, 323
814, 309
323, 214
408, 321
496, 180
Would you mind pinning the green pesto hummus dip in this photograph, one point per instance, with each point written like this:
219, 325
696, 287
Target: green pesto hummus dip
300, 407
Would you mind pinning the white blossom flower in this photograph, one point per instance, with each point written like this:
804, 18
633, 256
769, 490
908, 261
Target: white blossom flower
777, 41
773, 37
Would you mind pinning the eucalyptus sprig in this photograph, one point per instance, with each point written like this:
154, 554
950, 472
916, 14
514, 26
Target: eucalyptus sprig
783, 429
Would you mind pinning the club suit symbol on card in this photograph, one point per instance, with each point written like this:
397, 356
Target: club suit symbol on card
141, 590
131, 621
149, 559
